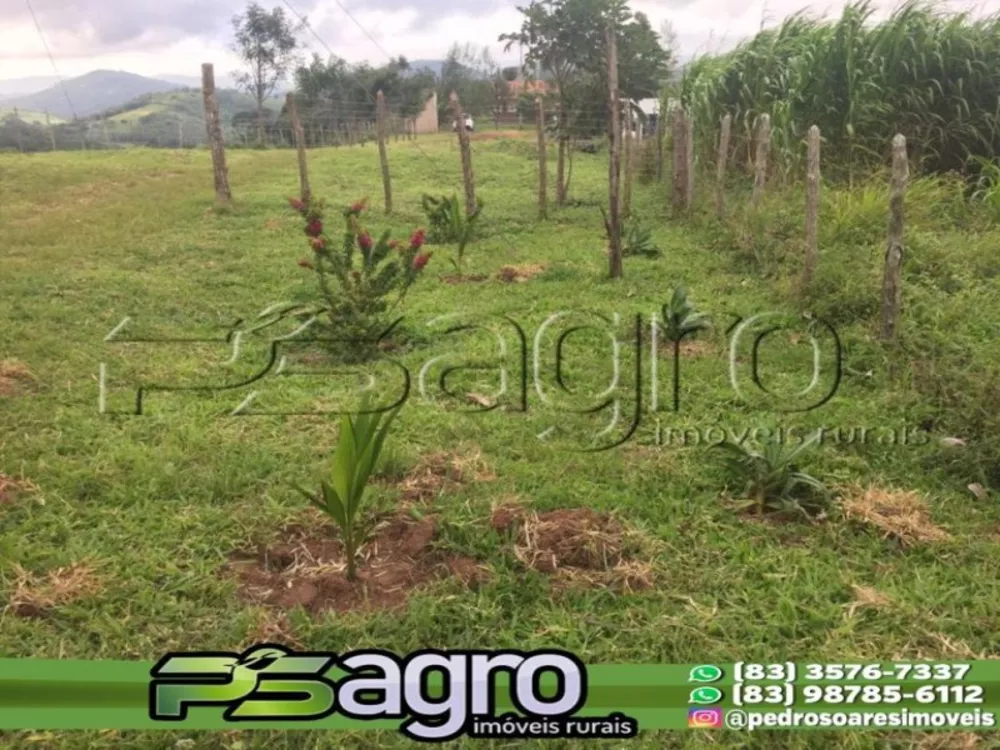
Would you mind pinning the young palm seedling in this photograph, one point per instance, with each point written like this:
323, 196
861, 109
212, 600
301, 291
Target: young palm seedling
357, 453
639, 240
679, 321
449, 223
772, 478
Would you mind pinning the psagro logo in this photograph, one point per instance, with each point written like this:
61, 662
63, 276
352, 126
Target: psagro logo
271, 683
518, 363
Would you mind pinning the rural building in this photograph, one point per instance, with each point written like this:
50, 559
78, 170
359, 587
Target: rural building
427, 121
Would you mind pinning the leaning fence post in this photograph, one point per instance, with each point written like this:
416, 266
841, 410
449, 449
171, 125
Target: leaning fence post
689, 159
463, 144
892, 282
721, 161
300, 146
543, 198
629, 162
812, 207
680, 158
613, 221
760, 163
213, 125
383, 157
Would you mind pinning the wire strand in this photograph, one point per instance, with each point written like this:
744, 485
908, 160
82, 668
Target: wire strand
52, 60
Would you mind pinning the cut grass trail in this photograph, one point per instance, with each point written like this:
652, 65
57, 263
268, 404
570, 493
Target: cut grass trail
154, 505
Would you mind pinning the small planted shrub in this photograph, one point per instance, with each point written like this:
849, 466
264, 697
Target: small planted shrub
680, 320
362, 280
449, 223
638, 240
647, 161
446, 218
771, 478
355, 458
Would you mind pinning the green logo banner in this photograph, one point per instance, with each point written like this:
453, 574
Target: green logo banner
440, 695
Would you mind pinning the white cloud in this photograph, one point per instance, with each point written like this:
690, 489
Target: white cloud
165, 36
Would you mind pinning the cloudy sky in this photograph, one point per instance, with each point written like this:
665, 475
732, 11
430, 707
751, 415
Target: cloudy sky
153, 37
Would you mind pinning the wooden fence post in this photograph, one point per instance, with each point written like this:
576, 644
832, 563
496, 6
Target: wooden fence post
689, 160
466, 154
680, 158
661, 134
300, 146
614, 167
52, 133
812, 207
214, 131
627, 148
760, 163
543, 197
721, 161
383, 156
892, 281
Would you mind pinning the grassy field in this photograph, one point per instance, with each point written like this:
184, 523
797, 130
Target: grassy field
116, 531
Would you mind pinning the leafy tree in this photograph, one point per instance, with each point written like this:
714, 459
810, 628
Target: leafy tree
267, 45
471, 75
565, 39
335, 94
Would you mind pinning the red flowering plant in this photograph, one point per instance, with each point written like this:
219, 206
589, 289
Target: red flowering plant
364, 278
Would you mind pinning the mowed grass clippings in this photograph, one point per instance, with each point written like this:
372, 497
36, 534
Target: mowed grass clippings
164, 500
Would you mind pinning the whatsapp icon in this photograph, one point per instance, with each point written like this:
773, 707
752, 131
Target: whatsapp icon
705, 696
705, 673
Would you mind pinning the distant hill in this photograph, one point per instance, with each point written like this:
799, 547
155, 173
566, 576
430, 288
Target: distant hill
26, 115
90, 94
23, 86
434, 66
172, 118
222, 81
194, 82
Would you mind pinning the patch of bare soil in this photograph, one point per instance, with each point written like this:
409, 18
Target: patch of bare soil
306, 568
897, 514
492, 135
689, 348
463, 278
577, 546
36, 596
11, 488
522, 273
15, 378
437, 471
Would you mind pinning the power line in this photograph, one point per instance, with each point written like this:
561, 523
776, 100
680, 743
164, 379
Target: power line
51, 58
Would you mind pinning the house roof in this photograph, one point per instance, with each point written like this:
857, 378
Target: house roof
649, 106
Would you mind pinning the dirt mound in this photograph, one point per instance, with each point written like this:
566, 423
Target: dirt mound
36, 596
518, 274
899, 514
306, 568
577, 545
437, 471
15, 378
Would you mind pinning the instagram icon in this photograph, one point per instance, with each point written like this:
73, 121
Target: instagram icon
704, 718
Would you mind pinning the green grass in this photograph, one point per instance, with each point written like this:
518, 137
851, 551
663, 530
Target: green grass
157, 502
